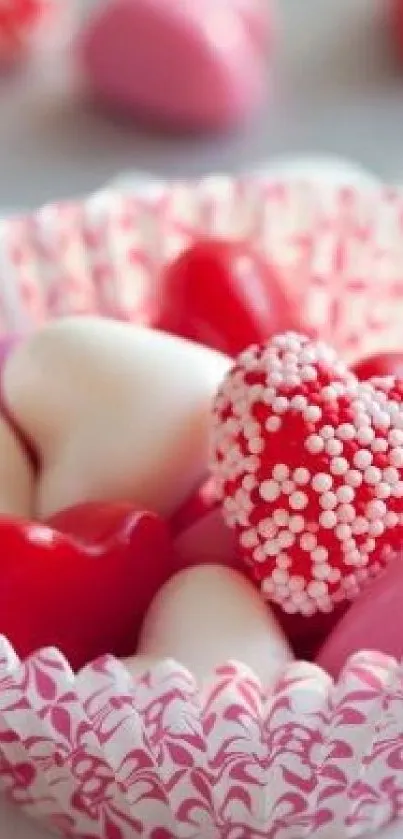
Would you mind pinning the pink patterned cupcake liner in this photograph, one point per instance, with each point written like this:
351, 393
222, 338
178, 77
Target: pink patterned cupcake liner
102, 755
339, 251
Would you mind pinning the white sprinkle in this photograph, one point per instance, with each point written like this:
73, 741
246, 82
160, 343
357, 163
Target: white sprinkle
308, 609
352, 558
338, 466
308, 373
362, 459
296, 583
259, 555
359, 526
321, 571
308, 542
334, 447
280, 472
397, 490
322, 482
269, 490
329, 393
312, 413
267, 528
376, 509
256, 445
328, 519
275, 379
390, 475
298, 403
373, 475
369, 545
298, 500
382, 490
391, 519
286, 539
248, 539
296, 524
346, 431
280, 404
317, 589
395, 437
345, 513
379, 445
319, 555
273, 424
281, 517
301, 476
376, 528
327, 432
328, 501
365, 435
396, 457
289, 607
283, 561
279, 576
314, 444
345, 494
353, 478
343, 532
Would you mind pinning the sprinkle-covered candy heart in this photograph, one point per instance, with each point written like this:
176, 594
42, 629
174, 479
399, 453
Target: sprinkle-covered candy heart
308, 463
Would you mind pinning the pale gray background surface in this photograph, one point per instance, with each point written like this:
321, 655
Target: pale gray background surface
337, 91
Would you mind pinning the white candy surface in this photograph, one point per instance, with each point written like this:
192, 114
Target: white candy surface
209, 615
115, 412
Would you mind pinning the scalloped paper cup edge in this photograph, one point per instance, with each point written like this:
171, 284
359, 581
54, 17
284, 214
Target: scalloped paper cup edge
101, 755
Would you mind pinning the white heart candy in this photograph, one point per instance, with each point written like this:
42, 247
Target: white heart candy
115, 412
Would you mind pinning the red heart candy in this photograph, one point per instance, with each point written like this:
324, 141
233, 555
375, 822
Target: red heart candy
84, 591
381, 364
308, 462
223, 294
200, 533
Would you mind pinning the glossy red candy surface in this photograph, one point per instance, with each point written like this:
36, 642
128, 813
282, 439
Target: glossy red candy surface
84, 582
225, 295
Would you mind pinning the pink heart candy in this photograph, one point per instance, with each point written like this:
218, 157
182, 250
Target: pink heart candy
187, 64
200, 534
374, 622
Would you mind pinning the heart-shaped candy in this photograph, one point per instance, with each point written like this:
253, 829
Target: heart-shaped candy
308, 462
200, 534
381, 364
223, 294
115, 412
373, 623
84, 591
191, 65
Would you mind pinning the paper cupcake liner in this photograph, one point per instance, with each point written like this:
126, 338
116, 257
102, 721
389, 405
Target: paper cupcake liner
339, 251
102, 756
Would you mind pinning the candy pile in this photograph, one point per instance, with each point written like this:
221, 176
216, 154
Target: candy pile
128, 454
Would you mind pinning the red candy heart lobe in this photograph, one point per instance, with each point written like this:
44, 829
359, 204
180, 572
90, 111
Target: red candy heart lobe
223, 294
381, 364
86, 590
308, 462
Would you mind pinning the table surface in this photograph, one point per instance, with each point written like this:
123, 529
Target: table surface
336, 89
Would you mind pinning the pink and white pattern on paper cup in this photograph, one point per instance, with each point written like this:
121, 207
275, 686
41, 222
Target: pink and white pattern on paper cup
339, 250
100, 756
